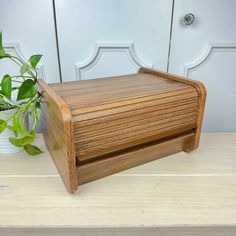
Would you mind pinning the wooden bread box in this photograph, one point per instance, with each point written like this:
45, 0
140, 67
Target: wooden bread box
94, 128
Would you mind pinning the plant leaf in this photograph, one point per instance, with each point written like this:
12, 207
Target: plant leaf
32, 150
6, 86
11, 128
3, 125
2, 52
35, 111
23, 141
24, 69
27, 90
18, 127
33, 61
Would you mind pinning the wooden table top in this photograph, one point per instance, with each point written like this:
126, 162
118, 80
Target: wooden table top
183, 194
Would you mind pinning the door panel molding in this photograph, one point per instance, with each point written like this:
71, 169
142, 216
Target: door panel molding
209, 50
16, 48
109, 47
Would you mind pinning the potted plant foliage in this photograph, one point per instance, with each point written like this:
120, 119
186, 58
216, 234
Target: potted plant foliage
19, 100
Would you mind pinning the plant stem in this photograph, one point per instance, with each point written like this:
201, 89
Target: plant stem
11, 116
16, 81
12, 58
19, 59
23, 63
9, 101
21, 76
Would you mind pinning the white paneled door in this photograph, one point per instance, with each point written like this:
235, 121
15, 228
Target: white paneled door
28, 28
112, 37
203, 47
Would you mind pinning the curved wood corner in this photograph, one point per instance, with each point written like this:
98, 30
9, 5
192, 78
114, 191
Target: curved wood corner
58, 135
202, 93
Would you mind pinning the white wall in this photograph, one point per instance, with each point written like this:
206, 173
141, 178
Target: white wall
99, 38
28, 28
107, 37
206, 51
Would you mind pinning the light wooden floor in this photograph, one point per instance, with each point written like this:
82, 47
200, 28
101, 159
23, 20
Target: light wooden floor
183, 194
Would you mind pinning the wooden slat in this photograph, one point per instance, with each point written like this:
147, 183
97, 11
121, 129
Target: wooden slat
90, 99
128, 128
202, 94
84, 108
118, 145
122, 136
110, 83
133, 120
107, 166
85, 120
120, 88
120, 91
133, 104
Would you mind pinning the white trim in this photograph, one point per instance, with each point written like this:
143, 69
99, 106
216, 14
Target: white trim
15, 47
210, 49
100, 48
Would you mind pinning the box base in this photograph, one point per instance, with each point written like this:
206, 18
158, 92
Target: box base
118, 162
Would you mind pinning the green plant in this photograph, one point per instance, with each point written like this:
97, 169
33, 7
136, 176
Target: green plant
26, 103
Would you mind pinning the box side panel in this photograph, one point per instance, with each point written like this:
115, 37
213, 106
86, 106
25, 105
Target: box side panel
58, 135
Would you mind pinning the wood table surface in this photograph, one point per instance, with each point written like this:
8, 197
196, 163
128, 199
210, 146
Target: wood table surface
183, 194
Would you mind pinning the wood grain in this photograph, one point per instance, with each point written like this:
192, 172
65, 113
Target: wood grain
106, 166
130, 139
84, 122
87, 121
183, 194
202, 93
58, 133
134, 142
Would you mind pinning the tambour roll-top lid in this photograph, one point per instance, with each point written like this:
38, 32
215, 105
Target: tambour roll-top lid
116, 113
88, 96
